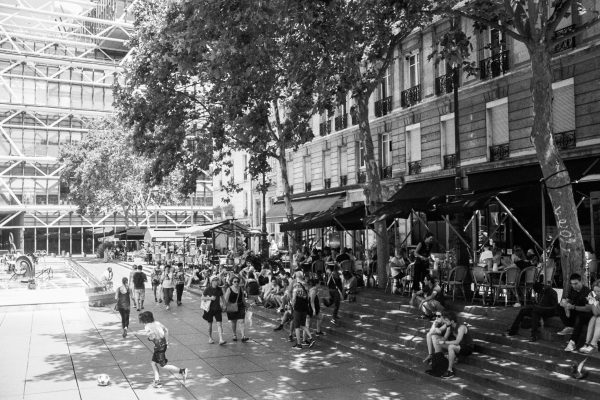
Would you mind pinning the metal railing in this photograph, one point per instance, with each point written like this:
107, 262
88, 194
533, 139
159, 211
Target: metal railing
444, 84
566, 44
564, 140
343, 180
341, 122
414, 167
499, 152
383, 106
494, 66
307, 186
361, 177
386, 172
449, 161
327, 183
325, 128
410, 97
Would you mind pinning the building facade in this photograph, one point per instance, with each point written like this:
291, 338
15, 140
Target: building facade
58, 63
412, 121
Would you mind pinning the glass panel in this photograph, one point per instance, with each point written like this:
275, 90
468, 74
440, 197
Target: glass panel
53, 240
40, 239
76, 240
65, 240
87, 97
41, 87
41, 148
29, 142
16, 84
29, 91
88, 239
76, 96
52, 94
52, 143
29, 241
65, 95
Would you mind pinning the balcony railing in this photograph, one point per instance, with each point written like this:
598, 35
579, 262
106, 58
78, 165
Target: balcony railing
327, 183
361, 177
307, 187
291, 189
444, 84
564, 140
566, 44
499, 152
343, 180
449, 161
354, 119
414, 167
341, 122
386, 172
325, 128
383, 106
494, 66
410, 97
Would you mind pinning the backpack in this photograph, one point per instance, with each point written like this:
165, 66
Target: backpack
439, 364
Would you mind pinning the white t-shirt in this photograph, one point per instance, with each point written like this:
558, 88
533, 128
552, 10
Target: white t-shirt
486, 255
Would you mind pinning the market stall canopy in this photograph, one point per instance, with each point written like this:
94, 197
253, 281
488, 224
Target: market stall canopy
158, 235
303, 206
133, 234
348, 218
227, 227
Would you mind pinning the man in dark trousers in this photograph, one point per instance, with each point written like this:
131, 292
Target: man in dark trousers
546, 307
574, 311
334, 284
139, 287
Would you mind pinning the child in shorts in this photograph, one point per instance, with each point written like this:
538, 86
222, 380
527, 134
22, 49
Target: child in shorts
159, 335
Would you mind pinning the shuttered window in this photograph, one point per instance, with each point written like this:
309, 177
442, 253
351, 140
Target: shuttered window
343, 157
497, 123
326, 164
563, 106
448, 142
413, 146
307, 170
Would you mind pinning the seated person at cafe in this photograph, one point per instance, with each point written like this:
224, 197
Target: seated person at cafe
486, 255
343, 256
349, 283
398, 264
545, 307
519, 258
575, 312
430, 299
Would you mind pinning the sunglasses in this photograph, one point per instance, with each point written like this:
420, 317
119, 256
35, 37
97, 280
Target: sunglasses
236, 281
438, 315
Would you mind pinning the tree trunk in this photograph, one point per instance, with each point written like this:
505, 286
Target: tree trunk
287, 198
556, 176
373, 189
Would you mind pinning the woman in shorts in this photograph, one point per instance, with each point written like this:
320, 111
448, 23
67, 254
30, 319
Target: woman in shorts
215, 294
159, 335
457, 340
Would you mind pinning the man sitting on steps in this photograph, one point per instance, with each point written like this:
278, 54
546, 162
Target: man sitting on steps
574, 311
546, 307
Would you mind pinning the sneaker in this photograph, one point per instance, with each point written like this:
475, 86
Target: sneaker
587, 348
533, 338
319, 333
278, 328
305, 342
517, 305
245, 339
222, 342
567, 331
570, 346
160, 300
234, 339
211, 341
138, 310
291, 338
510, 333
297, 346
184, 374
311, 342
168, 308
157, 384
448, 374
124, 332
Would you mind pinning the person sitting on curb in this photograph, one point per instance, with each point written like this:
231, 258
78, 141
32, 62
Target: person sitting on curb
456, 339
593, 332
574, 311
546, 307
430, 299
438, 328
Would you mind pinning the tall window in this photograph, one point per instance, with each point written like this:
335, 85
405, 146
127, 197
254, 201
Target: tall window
563, 106
386, 150
385, 88
290, 173
497, 129
413, 142
448, 143
307, 172
326, 169
343, 161
360, 155
412, 76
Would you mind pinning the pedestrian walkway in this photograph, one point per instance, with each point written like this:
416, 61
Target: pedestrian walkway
58, 351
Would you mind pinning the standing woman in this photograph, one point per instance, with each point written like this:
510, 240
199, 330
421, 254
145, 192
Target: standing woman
422, 256
156, 277
236, 295
168, 286
214, 294
123, 297
179, 282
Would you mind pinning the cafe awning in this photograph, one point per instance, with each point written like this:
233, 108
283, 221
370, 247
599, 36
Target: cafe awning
132, 234
303, 206
348, 218
227, 227
157, 235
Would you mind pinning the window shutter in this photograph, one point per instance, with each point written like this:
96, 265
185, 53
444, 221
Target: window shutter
415, 144
343, 161
499, 121
450, 144
563, 109
326, 164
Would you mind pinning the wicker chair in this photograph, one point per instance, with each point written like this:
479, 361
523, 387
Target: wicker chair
509, 280
526, 281
480, 281
456, 278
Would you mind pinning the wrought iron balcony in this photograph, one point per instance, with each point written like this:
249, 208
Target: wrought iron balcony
493, 66
327, 183
361, 177
410, 97
354, 119
343, 180
499, 152
383, 106
341, 122
307, 186
414, 167
566, 44
444, 84
291, 189
449, 161
564, 140
325, 128
386, 172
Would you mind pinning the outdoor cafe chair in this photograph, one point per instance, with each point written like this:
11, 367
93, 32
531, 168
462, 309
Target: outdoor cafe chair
547, 272
406, 282
456, 278
480, 281
526, 281
507, 282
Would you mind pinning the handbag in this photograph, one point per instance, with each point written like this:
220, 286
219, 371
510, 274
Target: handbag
232, 307
205, 305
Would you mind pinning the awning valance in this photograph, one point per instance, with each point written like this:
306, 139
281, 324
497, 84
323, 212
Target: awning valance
303, 206
132, 234
349, 218
227, 227
157, 235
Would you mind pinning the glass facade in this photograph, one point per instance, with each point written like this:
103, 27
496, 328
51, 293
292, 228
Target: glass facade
54, 79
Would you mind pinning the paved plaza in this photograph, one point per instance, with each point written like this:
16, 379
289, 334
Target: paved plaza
56, 351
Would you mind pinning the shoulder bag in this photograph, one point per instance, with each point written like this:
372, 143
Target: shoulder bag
232, 307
